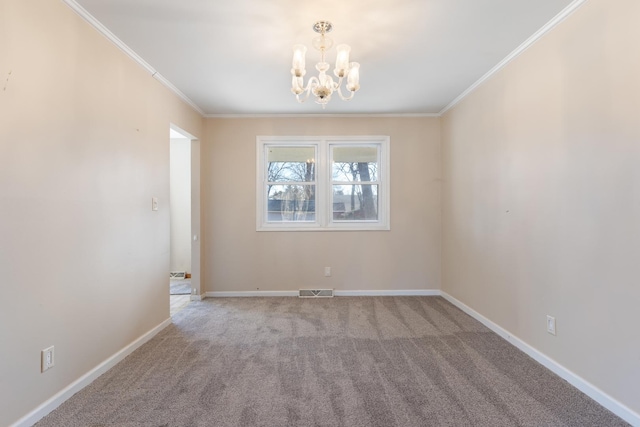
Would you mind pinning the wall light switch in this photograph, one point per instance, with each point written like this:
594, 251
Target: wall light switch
327, 271
154, 203
551, 325
47, 359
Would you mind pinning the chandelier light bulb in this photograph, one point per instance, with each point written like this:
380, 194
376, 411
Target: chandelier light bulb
323, 86
342, 60
353, 79
298, 63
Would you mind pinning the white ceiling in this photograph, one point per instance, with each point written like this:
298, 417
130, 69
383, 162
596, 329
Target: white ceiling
234, 56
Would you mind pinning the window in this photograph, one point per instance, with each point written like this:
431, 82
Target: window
322, 183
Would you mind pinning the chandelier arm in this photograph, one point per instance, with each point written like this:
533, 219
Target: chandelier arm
344, 98
313, 81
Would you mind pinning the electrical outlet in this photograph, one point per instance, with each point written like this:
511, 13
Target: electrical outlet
154, 203
327, 271
551, 325
47, 358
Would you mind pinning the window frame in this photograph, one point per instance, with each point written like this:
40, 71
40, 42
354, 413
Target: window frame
324, 183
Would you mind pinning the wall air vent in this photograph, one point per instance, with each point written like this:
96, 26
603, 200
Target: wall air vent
178, 275
315, 293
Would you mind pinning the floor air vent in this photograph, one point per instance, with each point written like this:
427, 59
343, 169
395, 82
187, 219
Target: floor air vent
315, 293
177, 275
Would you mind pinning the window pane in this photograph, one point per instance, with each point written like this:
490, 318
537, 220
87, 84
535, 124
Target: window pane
291, 164
355, 202
291, 203
355, 163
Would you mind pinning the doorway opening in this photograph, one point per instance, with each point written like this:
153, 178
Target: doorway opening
180, 264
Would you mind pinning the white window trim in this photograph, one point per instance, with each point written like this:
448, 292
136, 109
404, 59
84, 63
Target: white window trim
324, 218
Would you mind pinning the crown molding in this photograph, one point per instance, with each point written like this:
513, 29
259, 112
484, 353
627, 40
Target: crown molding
84, 14
572, 7
317, 115
177, 91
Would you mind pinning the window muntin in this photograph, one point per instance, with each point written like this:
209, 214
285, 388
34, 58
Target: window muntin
322, 183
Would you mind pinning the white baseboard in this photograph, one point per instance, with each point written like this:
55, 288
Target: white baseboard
578, 382
216, 294
59, 398
410, 292
398, 293
197, 297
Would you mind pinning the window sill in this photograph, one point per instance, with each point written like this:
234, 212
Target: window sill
346, 227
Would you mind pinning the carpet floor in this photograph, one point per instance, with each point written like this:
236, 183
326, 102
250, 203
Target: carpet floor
346, 361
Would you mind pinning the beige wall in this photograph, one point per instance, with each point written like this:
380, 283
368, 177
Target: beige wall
237, 258
84, 145
541, 197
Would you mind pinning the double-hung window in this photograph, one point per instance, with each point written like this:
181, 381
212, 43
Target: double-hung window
322, 183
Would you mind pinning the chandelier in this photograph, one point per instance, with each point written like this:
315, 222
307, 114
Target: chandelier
324, 85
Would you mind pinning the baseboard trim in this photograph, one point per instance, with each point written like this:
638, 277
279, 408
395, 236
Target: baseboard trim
575, 380
398, 293
216, 294
409, 292
197, 297
41, 411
